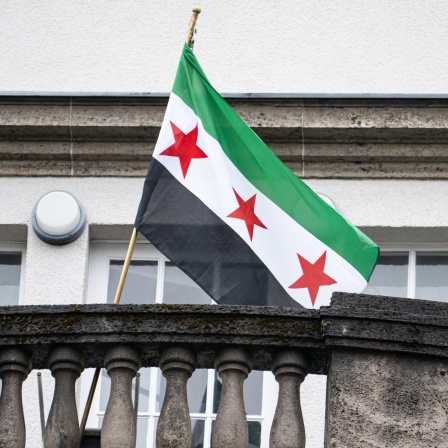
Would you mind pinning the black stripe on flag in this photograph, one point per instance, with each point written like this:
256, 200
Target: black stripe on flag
186, 231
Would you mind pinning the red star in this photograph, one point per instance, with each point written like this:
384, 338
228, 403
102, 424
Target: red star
185, 147
246, 212
313, 276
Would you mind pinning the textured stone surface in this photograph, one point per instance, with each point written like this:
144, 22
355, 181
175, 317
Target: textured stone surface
386, 324
204, 328
288, 429
13, 232
352, 321
378, 400
62, 428
14, 368
233, 365
119, 425
327, 138
174, 425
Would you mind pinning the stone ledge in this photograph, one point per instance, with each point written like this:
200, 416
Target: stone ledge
326, 138
205, 328
386, 324
354, 322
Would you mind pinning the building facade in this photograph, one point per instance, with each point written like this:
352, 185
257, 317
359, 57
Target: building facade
382, 162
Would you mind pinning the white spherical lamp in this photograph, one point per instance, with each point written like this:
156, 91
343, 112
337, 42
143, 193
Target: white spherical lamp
58, 218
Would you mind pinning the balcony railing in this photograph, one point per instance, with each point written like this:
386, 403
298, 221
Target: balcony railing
386, 361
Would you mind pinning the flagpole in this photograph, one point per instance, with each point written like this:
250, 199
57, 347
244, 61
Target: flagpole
194, 19
127, 262
85, 415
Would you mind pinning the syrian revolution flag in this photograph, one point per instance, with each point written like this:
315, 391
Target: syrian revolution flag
220, 205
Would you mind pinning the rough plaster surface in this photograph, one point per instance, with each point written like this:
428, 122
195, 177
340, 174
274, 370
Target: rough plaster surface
108, 201
313, 408
55, 274
252, 46
378, 401
388, 203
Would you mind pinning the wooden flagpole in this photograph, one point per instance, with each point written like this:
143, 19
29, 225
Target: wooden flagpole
194, 19
127, 262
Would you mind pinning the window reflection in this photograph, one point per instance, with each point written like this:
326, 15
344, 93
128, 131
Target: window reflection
105, 390
217, 390
143, 398
197, 391
390, 277
253, 387
10, 264
160, 392
142, 432
432, 276
140, 285
254, 434
197, 433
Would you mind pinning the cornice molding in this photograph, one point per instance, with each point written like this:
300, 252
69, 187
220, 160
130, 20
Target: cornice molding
315, 137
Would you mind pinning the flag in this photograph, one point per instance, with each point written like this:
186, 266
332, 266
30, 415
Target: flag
221, 206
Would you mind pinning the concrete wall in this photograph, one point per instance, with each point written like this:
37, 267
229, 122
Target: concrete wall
349, 46
378, 400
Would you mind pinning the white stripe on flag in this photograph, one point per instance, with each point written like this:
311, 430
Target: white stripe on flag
213, 179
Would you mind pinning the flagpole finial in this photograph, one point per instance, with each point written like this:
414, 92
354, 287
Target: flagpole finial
194, 18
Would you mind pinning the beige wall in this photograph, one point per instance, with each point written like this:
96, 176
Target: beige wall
349, 46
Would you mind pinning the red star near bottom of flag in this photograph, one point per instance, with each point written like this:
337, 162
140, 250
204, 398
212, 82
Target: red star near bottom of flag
313, 276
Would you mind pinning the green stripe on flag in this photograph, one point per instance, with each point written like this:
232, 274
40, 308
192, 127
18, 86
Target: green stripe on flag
267, 172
